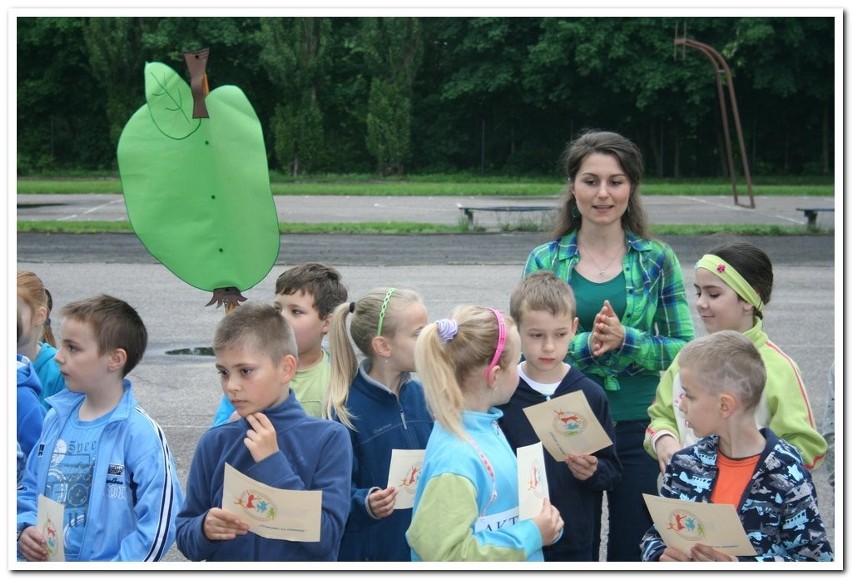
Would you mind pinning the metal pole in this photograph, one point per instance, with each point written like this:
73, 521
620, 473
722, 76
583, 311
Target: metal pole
717, 61
736, 114
732, 173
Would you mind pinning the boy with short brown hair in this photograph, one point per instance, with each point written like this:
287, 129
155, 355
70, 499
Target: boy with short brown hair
100, 454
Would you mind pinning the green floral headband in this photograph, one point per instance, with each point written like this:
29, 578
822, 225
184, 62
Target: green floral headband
726, 272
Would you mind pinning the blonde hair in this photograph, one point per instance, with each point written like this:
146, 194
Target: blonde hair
542, 291
726, 361
445, 367
31, 289
363, 328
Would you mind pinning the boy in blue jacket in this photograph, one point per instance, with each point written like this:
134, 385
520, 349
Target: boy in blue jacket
99, 453
543, 307
274, 442
734, 462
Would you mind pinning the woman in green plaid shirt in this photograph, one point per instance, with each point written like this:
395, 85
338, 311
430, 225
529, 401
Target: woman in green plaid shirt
632, 307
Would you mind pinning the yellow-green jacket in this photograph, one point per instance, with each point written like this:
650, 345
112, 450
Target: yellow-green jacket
784, 406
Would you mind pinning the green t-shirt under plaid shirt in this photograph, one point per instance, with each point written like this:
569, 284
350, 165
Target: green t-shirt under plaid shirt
656, 319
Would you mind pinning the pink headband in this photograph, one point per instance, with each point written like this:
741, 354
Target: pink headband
501, 339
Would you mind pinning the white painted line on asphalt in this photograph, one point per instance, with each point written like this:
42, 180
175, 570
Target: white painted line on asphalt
93, 209
719, 205
738, 208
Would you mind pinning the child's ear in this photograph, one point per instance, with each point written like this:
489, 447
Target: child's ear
381, 346
288, 365
326, 323
574, 326
117, 359
39, 316
727, 404
491, 377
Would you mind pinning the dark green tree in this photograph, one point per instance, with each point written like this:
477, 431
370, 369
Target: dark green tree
392, 49
295, 56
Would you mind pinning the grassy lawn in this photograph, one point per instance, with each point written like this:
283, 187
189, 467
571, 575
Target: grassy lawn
403, 227
459, 185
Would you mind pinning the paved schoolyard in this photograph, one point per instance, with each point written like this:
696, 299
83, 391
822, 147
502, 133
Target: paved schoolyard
182, 392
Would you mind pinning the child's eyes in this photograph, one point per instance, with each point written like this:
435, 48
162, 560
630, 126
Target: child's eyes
246, 371
222, 373
709, 294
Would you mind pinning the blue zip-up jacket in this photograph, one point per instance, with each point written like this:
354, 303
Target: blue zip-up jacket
135, 494
30, 411
779, 510
382, 422
314, 454
48, 372
577, 501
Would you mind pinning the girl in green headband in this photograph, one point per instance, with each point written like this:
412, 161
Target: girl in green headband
384, 408
733, 283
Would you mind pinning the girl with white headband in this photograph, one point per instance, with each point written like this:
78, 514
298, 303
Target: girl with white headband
734, 283
466, 506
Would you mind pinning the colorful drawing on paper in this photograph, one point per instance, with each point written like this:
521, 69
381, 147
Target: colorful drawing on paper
256, 505
686, 525
568, 423
49, 532
536, 472
412, 475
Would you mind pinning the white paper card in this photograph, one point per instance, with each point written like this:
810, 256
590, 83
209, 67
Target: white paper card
49, 522
566, 425
682, 524
270, 512
404, 473
532, 480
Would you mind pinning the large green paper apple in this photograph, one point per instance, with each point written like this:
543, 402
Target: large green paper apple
197, 189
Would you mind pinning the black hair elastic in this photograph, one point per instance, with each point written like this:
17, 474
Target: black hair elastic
351, 307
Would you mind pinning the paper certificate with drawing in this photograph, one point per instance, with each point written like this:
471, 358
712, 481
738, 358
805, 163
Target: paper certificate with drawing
682, 524
404, 472
532, 480
49, 522
270, 512
566, 425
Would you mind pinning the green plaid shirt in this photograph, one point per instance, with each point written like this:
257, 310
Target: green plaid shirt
656, 320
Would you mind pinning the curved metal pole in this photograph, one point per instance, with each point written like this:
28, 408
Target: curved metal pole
717, 61
736, 114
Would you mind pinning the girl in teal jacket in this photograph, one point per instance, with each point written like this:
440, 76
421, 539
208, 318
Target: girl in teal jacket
466, 507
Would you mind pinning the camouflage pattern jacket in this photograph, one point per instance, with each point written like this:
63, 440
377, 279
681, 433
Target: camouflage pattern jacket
778, 510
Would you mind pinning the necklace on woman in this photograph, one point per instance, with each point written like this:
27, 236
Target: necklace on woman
601, 270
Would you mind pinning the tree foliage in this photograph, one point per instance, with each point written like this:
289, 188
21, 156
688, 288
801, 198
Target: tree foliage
485, 94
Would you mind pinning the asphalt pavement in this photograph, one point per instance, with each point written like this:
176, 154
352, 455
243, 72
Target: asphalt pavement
182, 391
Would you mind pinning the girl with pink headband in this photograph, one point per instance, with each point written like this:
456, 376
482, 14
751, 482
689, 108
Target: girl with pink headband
466, 505
734, 284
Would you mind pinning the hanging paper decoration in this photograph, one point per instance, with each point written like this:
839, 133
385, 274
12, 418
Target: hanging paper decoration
196, 182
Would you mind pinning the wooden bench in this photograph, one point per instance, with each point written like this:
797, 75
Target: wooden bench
468, 211
811, 215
